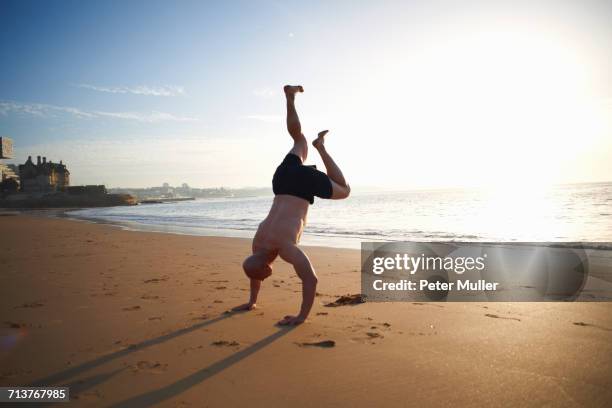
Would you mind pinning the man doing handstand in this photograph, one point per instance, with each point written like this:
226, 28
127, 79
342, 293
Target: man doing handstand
295, 186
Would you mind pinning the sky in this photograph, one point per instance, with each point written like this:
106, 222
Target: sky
416, 94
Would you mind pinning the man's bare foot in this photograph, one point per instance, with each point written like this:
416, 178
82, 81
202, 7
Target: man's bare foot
292, 89
320, 141
291, 321
246, 306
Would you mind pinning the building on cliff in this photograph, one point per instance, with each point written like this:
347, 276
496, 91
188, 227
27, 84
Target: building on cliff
44, 176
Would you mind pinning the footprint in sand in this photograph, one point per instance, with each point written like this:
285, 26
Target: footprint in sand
30, 305
369, 338
385, 325
347, 300
357, 326
149, 297
154, 367
157, 280
225, 343
15, 373
14, 325
190, 349
427, 304
596, 326
322, 344
421, 333
502, 317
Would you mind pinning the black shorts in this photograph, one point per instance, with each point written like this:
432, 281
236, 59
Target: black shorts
293, 178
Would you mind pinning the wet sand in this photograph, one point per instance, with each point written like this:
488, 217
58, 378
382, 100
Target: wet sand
137, 319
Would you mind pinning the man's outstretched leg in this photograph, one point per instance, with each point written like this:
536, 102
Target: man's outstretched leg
340, 189
300, 145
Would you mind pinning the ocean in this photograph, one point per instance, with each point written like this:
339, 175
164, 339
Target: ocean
564, 213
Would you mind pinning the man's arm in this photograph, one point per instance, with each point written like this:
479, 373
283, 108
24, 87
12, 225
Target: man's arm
306, 273
252, 304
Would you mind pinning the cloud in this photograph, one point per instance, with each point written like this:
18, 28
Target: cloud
265, 118
146, 117
169, 90
50, 111
265, 92
40, 110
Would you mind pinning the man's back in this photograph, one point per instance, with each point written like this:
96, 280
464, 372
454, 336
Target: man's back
284, 223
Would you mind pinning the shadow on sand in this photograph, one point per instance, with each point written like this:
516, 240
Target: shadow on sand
73, 371
161, 394
153, 397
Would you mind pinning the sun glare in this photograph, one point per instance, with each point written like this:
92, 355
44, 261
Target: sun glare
499, 106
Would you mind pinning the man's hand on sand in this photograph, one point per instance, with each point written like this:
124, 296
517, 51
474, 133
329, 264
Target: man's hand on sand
291, 321
245, 307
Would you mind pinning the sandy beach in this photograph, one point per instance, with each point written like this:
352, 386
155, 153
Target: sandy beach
138, 319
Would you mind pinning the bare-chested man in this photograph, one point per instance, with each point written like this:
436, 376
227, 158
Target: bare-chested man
295, 186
